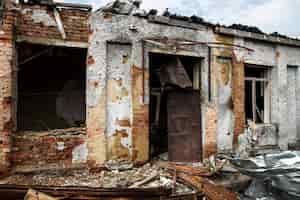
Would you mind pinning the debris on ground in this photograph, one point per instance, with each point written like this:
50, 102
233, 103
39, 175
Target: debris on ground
36, 195
205, 178
209, 189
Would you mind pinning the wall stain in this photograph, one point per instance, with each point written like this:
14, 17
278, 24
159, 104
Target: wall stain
140, 124
123, 122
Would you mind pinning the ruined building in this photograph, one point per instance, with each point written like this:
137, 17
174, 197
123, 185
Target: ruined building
79, 88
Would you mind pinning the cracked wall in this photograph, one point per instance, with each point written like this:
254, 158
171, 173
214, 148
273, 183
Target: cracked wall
118, 87
122, 89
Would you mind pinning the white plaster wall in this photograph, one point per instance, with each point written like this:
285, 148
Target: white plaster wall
118, 28
291, 116
121, 108
286, 56
263, 54
284, 85
225, 124
298, 102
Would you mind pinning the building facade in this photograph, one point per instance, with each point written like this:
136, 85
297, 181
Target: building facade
79, 88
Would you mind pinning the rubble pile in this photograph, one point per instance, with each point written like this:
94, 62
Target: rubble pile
181, 179
269, 176
275, 176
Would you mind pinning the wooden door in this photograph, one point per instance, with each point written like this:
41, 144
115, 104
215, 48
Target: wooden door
184, 126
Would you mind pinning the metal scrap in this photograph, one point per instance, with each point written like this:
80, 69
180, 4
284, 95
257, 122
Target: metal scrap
282, 169
174, 73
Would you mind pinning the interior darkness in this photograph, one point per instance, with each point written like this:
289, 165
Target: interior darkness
255, 72
248, 100
51, 87
2, 3
259, 93
158, 130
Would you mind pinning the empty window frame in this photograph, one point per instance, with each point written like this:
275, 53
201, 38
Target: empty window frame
257, 94
51, 87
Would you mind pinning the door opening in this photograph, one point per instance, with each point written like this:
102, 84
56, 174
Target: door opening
175, 114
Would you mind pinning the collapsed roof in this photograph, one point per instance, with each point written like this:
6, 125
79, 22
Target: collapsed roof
132, 7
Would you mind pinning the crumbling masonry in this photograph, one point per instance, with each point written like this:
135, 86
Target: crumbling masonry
104, 74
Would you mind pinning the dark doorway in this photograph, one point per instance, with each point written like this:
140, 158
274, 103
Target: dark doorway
174, 81
51, 87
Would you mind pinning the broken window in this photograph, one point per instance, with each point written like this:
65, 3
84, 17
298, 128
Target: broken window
51, 87
175, 117
257, 94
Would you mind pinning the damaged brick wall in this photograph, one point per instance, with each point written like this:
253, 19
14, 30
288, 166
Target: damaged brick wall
238, 96
7, 73
38, 21
40, 150
140, 138
118, 85
48, 150
210, 144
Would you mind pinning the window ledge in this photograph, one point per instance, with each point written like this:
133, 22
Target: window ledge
75, 131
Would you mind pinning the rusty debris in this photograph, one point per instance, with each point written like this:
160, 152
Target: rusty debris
208, 188
195, 171
176, 179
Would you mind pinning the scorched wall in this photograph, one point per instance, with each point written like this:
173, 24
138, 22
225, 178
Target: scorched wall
117, 78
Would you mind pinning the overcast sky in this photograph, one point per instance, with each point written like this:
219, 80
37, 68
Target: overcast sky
269, 15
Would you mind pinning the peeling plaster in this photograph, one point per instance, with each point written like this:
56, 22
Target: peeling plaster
108, 74
40, 16
60, 146
80, 154
225, 113
118, 99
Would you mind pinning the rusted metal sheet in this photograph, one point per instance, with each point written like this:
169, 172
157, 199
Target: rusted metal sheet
174, 73
184, 126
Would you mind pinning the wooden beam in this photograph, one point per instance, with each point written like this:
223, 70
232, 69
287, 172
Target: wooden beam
59, 23
209, 189
52, 42
36, 195
257, 79
16, 191
74, 5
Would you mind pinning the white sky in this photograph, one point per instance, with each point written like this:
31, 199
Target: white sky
269, 15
